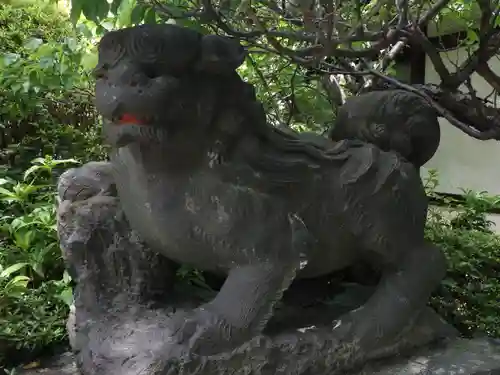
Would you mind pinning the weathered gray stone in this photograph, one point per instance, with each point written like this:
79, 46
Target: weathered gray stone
394, 120
124, 299
458, 357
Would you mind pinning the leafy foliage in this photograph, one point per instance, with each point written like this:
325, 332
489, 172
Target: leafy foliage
45, 97
288, 96
34, 287
46, 114
39, 21
468, 297
32, 321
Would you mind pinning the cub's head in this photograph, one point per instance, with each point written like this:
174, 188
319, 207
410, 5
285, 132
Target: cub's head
156, 81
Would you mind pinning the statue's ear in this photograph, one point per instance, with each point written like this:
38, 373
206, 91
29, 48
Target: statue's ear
220, 55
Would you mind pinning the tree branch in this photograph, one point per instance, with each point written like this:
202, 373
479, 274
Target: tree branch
491, 133
489, 76
271, 27
488, 46
432, 13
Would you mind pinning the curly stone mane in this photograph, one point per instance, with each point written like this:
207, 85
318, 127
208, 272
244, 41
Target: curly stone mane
280, 153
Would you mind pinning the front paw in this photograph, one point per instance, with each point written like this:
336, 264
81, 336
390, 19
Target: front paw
203, 332
355, 327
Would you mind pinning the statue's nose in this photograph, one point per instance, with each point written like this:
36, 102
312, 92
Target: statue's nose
100, 71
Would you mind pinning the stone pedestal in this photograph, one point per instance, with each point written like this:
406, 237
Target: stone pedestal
457, 357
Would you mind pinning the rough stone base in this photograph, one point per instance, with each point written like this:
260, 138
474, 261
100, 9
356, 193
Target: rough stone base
458, 357
297, 341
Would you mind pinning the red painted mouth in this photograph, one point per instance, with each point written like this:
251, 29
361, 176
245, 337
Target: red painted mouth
128, 118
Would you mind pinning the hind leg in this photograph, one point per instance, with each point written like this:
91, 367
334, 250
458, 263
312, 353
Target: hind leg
399, 298
390, 225
393, 319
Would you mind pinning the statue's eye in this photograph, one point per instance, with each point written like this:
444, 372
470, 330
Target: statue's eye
110, 49
112, 43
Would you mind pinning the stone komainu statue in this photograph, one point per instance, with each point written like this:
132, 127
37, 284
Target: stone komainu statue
197, 177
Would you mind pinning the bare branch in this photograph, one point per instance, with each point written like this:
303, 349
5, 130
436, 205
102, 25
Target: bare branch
333, 89
402, 9
461, 104
442, 111
486, 12
432, 12
489, 76
398, 47
375, 10
488, 46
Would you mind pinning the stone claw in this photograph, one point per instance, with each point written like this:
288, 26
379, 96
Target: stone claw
356, 328
202, 331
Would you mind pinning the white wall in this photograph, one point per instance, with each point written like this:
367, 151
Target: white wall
495, 218
462, 161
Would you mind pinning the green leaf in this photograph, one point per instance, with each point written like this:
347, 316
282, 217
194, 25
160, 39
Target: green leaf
107, 25
6, 192
10, 58
26, 86
150, 17
89, 60
17, 285
38, 161
125, 12
472, 36
46, 50
30, 171
95, 10
66, 296
33, 44
72, 44
76, 10
66, 277
65, 161
84, 30
138, 14
46, 62
115, 6
12, 269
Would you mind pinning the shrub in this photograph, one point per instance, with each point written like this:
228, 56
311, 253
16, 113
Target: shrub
45, 94
35, 290
32, 321
21, 21
46, 114
468, 296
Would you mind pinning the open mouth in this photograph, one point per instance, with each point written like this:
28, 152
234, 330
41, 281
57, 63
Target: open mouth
130, 119
126, 128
